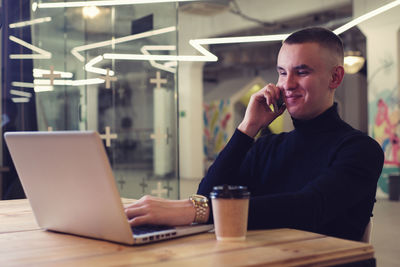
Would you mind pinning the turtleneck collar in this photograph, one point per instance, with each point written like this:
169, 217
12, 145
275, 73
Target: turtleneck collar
328, 120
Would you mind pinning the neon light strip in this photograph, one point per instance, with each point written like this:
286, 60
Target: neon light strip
28, 56
43, 54
197, 44
20, 100
168, 66
22, 84
88, 82
244, 39
158, 57
29, 22
75, 51
20, 93
366, 16
171, 64
69, 82
104, 3
36, 88
43, 88
38, 73
160, 47
89, 67
47, 82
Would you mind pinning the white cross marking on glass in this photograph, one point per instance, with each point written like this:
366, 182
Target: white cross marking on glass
159, 191
122, 182
108, 79
158, 135
168, 188
143, 185
108, 136
158, 81
52, 75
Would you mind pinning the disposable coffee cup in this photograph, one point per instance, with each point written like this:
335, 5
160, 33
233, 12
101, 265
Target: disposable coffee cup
230, 205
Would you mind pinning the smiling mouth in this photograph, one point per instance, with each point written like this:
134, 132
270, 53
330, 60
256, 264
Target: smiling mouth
292, 99
293, 96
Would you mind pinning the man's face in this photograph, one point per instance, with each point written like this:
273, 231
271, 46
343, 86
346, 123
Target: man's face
305, 75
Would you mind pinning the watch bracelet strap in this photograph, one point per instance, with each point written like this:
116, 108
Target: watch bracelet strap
201, 212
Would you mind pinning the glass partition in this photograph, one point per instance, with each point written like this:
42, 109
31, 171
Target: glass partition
82, 71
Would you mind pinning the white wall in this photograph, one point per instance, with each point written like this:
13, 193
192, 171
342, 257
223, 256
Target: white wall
351, 97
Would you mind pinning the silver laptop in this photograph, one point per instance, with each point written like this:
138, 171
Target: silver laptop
69, 183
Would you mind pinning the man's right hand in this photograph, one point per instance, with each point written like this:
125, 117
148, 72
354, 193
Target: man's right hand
258, 113
159, 211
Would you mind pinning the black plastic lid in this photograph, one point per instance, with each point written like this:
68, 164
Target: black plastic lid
230, 191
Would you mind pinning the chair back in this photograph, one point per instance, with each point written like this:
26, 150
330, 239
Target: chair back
367, 233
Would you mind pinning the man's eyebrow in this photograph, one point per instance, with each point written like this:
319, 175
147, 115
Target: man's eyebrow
302, 67
299, 67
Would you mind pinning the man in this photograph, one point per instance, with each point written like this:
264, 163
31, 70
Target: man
320, 177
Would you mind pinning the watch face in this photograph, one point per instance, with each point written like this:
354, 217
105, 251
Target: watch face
199, 198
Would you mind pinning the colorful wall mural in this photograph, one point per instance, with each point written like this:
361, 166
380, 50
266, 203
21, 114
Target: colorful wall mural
384, 120
216, 116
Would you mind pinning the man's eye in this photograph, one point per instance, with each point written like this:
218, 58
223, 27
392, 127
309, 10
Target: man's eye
281, 73
302, 73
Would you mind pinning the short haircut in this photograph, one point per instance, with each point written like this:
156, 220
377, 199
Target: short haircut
322, 36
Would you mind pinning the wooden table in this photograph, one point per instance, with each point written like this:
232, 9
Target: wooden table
22, 243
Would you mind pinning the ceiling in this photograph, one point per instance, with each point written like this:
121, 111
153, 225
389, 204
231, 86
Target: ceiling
234, 59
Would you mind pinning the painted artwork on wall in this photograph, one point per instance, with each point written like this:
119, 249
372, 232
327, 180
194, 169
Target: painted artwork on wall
384, 123
216, 116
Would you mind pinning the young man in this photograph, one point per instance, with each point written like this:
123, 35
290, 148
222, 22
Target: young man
320, 177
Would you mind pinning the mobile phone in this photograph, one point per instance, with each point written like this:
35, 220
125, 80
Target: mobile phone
279, 103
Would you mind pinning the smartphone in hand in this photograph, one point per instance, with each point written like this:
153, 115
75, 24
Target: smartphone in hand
279, 103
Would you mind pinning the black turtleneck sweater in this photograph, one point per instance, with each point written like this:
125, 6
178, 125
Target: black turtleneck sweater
320, 177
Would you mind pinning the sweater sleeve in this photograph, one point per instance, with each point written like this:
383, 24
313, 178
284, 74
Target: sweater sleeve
227, 167
350, 179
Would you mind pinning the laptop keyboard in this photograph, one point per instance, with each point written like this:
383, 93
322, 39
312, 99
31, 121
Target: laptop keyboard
147, 229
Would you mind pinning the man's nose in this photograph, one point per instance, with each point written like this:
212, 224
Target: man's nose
290, 82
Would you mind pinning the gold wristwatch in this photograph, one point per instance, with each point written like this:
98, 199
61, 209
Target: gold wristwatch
200, 203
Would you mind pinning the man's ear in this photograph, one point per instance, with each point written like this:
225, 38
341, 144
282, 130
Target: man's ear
337, 77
